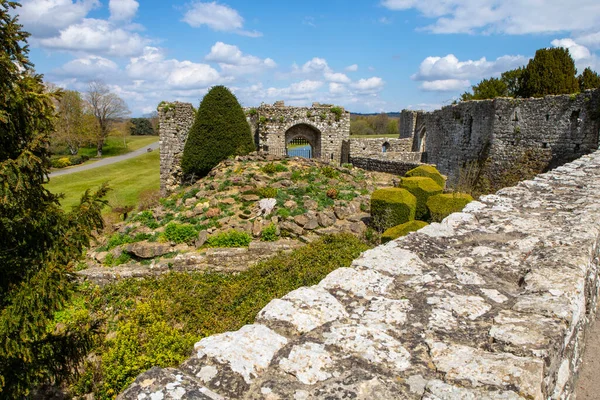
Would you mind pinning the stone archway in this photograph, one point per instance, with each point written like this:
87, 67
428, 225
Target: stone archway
303, 134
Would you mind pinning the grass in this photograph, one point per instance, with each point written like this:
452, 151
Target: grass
394, 136
113, 146
155, 321
127, 180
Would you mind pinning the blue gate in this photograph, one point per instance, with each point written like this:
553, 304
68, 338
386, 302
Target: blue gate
299, 147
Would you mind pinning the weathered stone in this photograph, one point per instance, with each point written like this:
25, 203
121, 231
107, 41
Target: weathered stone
311, 222
291, 227
148, 249
311, 205
250, 197
228, 200
290, 204
301, 219
358, 228
266, 206
326, 218
213, 212
202, 237
342, 212
257, 228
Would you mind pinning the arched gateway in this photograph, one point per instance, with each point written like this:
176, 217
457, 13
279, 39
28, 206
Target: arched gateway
303, 140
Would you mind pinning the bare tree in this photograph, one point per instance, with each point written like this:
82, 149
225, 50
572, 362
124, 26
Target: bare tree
106, 107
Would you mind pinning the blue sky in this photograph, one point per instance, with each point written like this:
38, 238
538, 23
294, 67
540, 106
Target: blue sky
366, 55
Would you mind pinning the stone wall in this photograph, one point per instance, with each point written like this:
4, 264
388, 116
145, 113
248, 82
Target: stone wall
408, 123
367, 146
392, 163
175, 121
492, 303
557, 128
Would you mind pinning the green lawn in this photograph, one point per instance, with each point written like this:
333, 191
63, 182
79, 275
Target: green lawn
126, 178
113, 146
394, 136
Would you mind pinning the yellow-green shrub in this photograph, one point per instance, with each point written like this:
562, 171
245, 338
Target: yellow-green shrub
442, 205
422, 188
391, 207
428, 171
402, 230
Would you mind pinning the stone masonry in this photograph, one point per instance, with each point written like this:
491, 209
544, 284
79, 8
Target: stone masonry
492, 303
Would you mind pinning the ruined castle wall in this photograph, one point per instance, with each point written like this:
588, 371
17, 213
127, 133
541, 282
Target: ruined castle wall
397, 164
175, 121
408, 123
556, 128
367, 146
492, 303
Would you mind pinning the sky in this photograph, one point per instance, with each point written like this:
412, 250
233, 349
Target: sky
365, 55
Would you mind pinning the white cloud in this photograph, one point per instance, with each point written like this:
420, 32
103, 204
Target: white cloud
582, 56
45, 18
352, 68
122, 10
501, 16
445, 85
218, 17
337, 88
336, 77
89, 67
231, 60
369, 85
98, 37
592, 40
315, 65
450, 67
305, 89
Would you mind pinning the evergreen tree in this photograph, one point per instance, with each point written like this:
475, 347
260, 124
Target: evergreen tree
486, 89
141, 126
38, 241
219, 131
588, 80
551, 71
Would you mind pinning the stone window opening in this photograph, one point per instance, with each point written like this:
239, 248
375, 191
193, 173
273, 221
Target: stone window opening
385, 147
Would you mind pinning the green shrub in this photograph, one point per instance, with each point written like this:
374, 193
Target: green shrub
252, 112
271, 168
283, 213
329, 172
180, 233
267, 192
111, 261
269, 233
61, 162
146, 218
231, 238
337, 111
428, 171
391, 207
219, 131
442, 205
402, 230
422, 188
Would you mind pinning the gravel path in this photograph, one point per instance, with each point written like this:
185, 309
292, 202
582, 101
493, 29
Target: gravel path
105, 161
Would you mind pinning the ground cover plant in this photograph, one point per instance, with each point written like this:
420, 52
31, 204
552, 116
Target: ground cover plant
155, 321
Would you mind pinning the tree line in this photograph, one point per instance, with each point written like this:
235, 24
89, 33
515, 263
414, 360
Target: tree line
550, 72
380, 124
85, 119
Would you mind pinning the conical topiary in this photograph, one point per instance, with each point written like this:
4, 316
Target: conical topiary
219, 131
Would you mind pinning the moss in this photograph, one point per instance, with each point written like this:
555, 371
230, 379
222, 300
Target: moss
391, 207
422, 188
442, 205
402, 230
428, 171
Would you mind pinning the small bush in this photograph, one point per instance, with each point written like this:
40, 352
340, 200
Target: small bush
442, 205
329, 172
180, 233
391, 207
61, 162
252, 112
267, 192
117, 239
231, 238
332, 193
428, 171
337, 111
283, 213
402, 230
269, 233
422, 188
146, 218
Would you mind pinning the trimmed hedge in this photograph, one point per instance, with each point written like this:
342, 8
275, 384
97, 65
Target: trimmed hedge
442, 205
422, 188
402, 230
391, 207
219, 131
428, 171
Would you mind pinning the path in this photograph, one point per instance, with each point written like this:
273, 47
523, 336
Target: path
588, 384
105, 161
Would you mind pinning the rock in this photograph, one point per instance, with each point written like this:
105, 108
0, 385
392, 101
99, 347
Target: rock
256, 228
342, 212
190, 202
286, 183
101, 256
311, 204
312, 222
290, 204
359, 228
244, 216
291, 227
213, 212
301, 219
202, 236
250, 197
326, 218
213, 202
224, 220
228, 200
266, 206
148, 249
359, 217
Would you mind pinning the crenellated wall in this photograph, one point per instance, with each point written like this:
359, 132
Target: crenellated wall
492, 303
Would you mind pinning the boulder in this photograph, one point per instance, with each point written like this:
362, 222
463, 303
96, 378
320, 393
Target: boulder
146, 249
202, 236
291, 227
228, 200
301, 219
326, 218
213, 212
250, 197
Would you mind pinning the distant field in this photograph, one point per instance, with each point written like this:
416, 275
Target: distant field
395, 136
113, 146
126, 178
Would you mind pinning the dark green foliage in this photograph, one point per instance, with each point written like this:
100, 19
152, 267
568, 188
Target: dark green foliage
551, 71
422, 188
231, 238
486, 89
272, 168
428, 171
391, 207
588, 80
180, 233
442, 205
269, 234
141, 126
267, 192
402, 230
39, 243
219, 131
